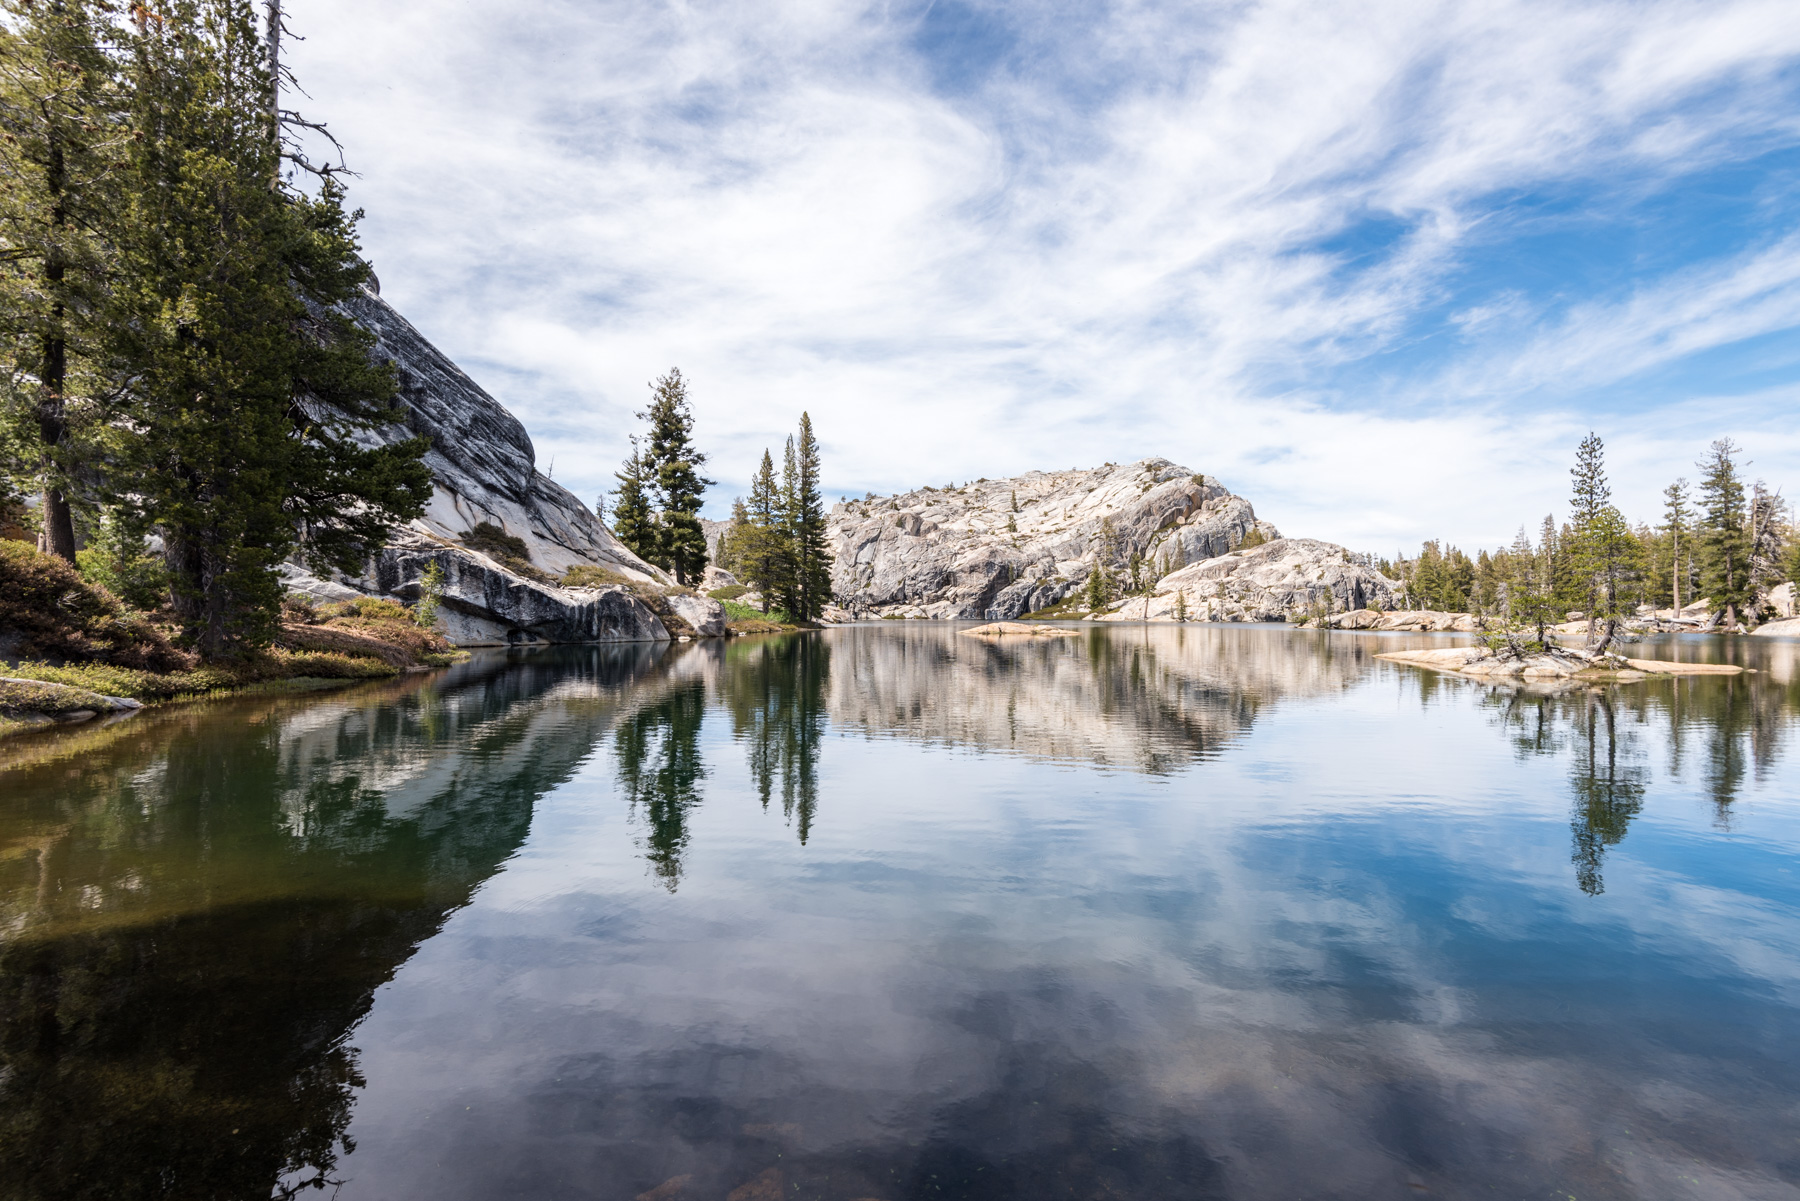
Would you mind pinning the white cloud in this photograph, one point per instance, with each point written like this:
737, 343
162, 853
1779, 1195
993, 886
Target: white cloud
1104, 254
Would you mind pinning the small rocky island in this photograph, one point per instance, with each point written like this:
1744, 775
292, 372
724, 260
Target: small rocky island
1556, 664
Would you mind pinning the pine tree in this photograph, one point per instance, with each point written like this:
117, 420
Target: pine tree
812, 558
1602, 546
61, 144
763, 541
633, 522
1097, 591
672, 472
1724, 540
1767, 521
731, 542
251, 386
1676, 518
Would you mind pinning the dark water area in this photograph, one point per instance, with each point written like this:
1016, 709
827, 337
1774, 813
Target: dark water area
889, 913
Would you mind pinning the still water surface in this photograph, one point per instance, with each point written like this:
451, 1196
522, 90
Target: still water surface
889, 913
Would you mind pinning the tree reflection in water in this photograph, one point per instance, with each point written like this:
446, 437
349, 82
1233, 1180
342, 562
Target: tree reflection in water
657, 749
775, 691
1607, 778
197, 908
1728, 729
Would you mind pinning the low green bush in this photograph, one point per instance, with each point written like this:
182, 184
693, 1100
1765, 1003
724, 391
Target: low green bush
729, 592
509, 550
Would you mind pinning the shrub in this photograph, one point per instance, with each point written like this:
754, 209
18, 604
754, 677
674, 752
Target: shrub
508, 550
47, 611
729, 592
737, 612
431, 596
584, 576
117, 562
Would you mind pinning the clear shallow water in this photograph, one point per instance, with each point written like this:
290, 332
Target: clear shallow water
889, 913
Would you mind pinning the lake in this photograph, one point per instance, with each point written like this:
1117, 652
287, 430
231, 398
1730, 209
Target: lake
885, 912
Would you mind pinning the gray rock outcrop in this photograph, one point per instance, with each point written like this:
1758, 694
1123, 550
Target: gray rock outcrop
1277, 581
485, 604
484, 470
482, 460
996, 549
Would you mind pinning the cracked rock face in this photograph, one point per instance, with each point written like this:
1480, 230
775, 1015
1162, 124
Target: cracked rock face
484, 469
482, 460
951, 552
1277, 581
484, 604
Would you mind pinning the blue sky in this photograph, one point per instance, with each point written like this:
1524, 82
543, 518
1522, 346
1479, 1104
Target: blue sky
1378, 266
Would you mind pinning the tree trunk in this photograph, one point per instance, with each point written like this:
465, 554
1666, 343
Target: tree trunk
59, 523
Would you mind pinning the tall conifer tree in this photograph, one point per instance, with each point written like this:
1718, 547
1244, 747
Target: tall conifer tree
672, 473
633, 523
764, 540
250, 383
811, 547
61, 140
1724, 540
1676, 518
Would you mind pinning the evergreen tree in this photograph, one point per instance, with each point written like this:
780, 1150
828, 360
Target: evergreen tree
787, 584
61, 141
731, 542
1676, 525
1097, 591
1768, 514
1724, 540
812, 558
672, 470
763, 541
633, 522
250, 385
1602, 546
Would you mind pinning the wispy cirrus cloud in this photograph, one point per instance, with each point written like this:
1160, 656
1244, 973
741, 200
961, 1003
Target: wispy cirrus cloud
1375, 264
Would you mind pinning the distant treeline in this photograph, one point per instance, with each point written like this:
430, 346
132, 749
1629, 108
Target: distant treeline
1717, 540
175, 358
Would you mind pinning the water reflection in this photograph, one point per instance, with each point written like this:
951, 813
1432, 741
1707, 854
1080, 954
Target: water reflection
1189, 913
775, 692
1726, 730
1152, 699
658, 753
198, 907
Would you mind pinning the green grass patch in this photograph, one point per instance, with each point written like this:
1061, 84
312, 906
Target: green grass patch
736, 612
